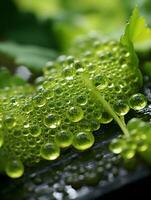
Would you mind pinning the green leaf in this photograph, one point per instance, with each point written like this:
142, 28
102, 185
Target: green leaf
7, 79
137, 32
33, 57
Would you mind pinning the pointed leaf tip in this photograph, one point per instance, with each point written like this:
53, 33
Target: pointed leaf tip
137, 32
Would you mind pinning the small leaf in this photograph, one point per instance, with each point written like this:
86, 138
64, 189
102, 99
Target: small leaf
33, 57
137, 32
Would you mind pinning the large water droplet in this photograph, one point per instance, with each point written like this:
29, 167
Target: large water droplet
64, 138
75, 114
10, 122
82, 99
40, 100
121, 107
35, 131
52, 121
50, 68
83, 140
142, 146
78, 64
14, 169
100, 82
106, 118
17, 133
68, 72
70, 59
50, 151
133, 124
137, 101
95, 125
48, 94
117, 145
27, 108
128, 153
91, 67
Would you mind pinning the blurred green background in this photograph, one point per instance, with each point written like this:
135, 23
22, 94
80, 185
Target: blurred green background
35, 31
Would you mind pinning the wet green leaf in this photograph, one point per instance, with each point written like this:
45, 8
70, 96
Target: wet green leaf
33, 57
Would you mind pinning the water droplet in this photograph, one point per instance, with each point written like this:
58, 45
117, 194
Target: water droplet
68, 72
97, 112
78, 64
106, 118
131, 143
50, 151
10, 122
82, 99
14, 169
40, 100
142, 146
96, 44
87, 54
25, 132
133, 124
70, 59
100, 82
91, 67
27, 108
121, 107
61, 59
124, 66
14, 101
64, 138
85, 126
39, 80
128, 153
75, 114
48, 94
95, 125
58, 90
50, 68
83, 140
26, 124
48, 83
117, 145
16, 133
52, 121
35, 131
137, 101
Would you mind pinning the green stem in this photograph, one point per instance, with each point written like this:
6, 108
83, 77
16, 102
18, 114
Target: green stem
106, 105
123, 120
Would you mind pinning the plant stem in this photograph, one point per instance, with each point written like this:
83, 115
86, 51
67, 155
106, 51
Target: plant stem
106, 106
123, 120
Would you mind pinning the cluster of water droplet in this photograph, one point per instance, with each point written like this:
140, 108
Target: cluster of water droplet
137, 141
62, 110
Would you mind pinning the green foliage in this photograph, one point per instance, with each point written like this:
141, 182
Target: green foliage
33, 57
23, 27
41, 8
137, 32
77, 93
78, 18
68, 105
